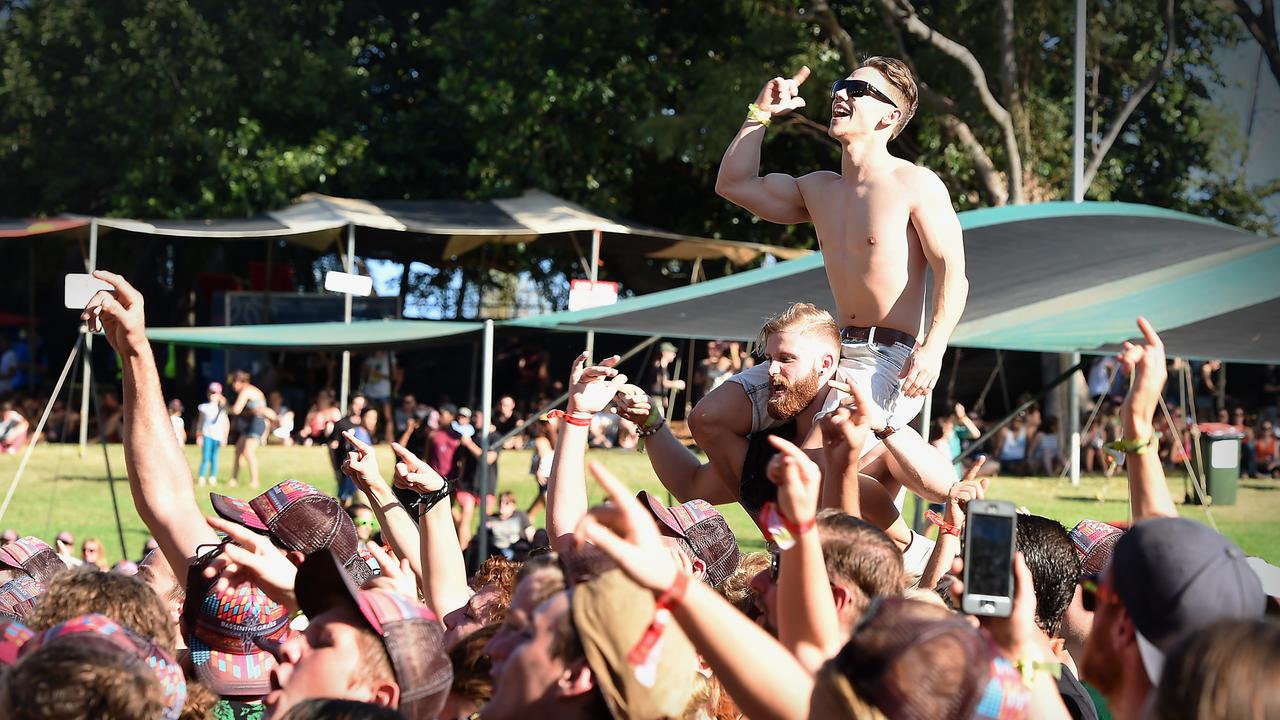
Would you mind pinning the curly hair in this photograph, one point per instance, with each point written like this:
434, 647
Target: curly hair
67, 680
500, 573
127, 600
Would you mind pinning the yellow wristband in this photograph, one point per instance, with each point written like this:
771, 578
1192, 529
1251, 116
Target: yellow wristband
754, 113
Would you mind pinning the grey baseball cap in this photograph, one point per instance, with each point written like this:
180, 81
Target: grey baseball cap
1176, 576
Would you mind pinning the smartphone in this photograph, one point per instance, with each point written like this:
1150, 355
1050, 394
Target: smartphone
79, 288
989, 531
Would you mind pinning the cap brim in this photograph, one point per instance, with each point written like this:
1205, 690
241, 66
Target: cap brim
661, 513
237, 511
323, 584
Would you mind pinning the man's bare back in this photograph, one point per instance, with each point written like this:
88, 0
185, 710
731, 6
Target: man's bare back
870, 248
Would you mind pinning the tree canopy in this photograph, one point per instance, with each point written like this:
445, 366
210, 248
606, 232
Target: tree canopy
197, 108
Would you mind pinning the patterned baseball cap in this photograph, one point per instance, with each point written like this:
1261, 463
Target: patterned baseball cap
19, 595
411, 634
13, 635
33, 556
1094, 541
703, 532
128, 644
299, 517
223, 629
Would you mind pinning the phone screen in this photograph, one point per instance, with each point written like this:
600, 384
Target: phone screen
989, 570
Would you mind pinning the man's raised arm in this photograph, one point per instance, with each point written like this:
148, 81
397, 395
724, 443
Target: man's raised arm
942, 241
774, 197
159, 477
1148, 492
677, 468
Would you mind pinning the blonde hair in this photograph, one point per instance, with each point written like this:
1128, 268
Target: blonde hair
803, 318
902, 84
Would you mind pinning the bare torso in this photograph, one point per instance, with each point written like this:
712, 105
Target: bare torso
875, 264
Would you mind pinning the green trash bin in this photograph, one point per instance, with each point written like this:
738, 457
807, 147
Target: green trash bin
1218, 462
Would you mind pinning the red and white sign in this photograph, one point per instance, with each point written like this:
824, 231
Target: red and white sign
583, 295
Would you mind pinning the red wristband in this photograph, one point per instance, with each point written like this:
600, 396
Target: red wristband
771, 512
943, 526
673, 595
574, 418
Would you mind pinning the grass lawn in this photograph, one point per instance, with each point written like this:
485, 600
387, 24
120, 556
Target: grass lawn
63, 491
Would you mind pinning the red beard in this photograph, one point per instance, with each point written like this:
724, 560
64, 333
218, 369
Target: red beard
795, 397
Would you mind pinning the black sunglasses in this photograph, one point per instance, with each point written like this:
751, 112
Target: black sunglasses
775, 566
860, 88
1094, 591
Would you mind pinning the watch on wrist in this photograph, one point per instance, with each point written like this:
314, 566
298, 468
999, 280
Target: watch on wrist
884, 433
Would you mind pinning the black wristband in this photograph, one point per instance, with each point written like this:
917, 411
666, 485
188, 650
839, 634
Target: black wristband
418, 504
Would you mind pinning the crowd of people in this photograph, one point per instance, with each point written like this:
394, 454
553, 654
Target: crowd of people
289, 605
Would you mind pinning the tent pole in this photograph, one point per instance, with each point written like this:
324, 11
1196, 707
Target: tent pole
86, 373
1077, 152
266, 287
486, 403
595, 276
1073, 416
346, 317
1077, 194
688, 384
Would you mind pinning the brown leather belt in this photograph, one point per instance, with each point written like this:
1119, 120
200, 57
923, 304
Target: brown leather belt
877, 335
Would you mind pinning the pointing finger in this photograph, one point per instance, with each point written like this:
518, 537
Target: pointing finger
363, 447
1149, 332
124, 291
802, 75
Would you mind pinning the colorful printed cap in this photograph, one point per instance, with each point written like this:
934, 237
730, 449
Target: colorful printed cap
411, 634
223, 629
13, 635
1005, 694
1094, 541
299, 517
33, 556
128, 644
704, 532
19, 595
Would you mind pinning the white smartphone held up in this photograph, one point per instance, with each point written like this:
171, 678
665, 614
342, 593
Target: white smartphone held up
348, 284
990, 529
79, 288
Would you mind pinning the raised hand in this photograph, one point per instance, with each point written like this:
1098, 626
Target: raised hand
1146, 362
864, 410
970, 488
1017, 635
591, 389
396, 575
415, 474
632, 403
117, 314
844, 433
362, 467
782, 95
625, 531
920, 371
253, 560
798, 478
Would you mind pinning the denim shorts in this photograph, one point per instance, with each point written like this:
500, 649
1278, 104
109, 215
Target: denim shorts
870, 365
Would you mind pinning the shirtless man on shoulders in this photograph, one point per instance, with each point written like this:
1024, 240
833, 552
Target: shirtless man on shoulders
880, 221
